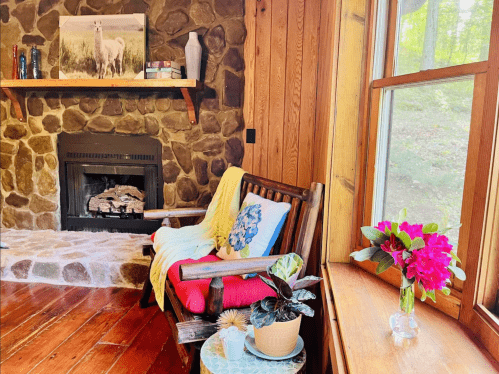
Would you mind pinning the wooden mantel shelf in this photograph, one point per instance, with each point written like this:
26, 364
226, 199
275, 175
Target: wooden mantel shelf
357, 307
14, 87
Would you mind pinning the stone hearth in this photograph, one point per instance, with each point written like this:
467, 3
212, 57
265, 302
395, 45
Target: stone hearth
74, 258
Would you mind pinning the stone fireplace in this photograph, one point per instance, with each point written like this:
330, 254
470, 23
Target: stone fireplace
90, 164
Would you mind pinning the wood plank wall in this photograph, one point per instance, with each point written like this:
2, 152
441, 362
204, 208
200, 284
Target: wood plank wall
281, 55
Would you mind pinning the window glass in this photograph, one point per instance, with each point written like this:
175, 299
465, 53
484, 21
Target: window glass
439, 33
422, 150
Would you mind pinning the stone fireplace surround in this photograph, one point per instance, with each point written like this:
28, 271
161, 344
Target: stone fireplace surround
193, 156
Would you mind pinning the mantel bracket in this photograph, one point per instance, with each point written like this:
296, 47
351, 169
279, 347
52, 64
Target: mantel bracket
190, 98
16, 100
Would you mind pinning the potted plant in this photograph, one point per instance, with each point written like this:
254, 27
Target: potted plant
277, 319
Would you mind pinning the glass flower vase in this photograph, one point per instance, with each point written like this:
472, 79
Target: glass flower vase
403, 323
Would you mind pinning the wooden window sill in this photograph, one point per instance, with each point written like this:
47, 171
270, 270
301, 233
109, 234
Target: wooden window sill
361, 304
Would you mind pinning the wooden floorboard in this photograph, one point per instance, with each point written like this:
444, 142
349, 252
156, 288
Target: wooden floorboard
9, 288
146, 347
75, 330
31, 307
26, 332
128, 327
99, 360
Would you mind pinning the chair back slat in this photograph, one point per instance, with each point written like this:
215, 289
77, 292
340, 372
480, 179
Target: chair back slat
270, 195
244, 192
256, 189
278, 197
289, 228
244, 189
308, 224
263, 192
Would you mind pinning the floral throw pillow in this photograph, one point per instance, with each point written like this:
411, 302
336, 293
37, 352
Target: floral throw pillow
255, 229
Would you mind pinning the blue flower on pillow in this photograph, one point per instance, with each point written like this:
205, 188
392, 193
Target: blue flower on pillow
245, 227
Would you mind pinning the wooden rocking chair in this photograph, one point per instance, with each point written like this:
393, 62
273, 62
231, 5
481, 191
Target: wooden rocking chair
296, 236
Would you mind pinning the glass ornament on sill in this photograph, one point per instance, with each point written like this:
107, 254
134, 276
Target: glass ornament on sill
403, 323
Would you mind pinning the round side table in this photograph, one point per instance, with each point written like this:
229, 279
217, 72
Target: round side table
213, 361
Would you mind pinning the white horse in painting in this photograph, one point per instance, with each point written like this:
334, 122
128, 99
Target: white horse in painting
107, 51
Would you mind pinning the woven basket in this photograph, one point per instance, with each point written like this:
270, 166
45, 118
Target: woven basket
278, 339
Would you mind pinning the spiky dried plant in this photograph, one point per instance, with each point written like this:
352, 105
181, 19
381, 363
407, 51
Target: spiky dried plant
232, 318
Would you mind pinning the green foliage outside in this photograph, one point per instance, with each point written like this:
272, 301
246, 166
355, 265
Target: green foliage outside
430, 124
77, 54
463, 34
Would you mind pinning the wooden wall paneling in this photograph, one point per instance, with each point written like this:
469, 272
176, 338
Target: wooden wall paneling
249, 81
278, 88
326, 87
307, 134
262, 86
346, 127
326, 100
294, 61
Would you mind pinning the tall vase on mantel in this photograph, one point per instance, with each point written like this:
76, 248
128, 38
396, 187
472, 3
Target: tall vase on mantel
402, 322
193, 51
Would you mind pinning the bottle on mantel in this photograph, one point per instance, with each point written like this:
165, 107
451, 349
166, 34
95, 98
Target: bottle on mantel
15, 68
23, 68
35, 53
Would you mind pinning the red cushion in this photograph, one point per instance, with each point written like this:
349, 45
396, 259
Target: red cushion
238, 292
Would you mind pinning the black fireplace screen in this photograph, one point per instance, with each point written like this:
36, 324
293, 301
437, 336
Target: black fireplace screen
95, 168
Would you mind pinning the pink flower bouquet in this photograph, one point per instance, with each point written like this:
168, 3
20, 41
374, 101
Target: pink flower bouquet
423, 254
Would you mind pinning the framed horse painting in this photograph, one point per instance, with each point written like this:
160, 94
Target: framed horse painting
102, 47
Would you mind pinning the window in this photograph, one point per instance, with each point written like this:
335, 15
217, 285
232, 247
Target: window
422, 151
430, 140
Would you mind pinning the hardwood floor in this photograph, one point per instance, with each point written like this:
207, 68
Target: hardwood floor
64, 329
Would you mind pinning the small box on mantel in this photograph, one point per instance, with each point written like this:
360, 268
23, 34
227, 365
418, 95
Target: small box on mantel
163, 70
163, 64
163, 75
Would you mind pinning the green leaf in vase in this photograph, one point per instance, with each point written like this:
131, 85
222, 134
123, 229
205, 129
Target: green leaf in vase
417, 243
431, 295
430, 228
446, 291
423, 292
404, 238
372, 233
458, 272
365, 254
385, 263
380, 255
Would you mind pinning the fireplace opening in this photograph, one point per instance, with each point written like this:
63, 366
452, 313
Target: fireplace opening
108, 180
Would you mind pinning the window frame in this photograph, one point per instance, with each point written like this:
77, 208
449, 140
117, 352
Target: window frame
479, 245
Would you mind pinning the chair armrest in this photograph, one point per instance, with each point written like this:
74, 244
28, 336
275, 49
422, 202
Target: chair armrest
225, 268
170, 213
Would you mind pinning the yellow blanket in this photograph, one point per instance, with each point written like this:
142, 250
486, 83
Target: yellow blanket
172, 245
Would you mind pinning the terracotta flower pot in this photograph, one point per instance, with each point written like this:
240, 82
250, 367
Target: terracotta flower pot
278, 339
